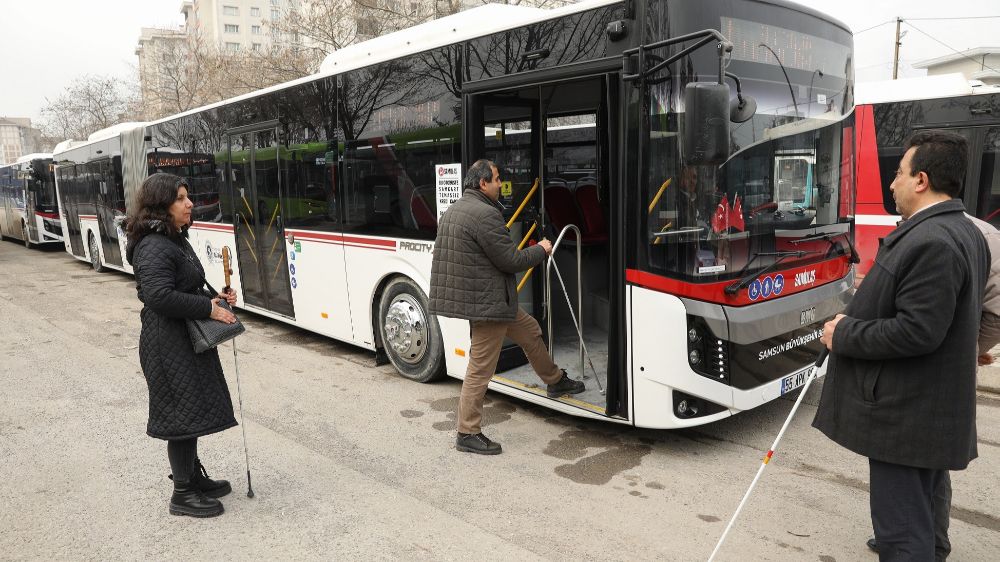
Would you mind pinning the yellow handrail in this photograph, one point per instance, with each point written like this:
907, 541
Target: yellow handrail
527, 198
659, 193
524, 279
524, 240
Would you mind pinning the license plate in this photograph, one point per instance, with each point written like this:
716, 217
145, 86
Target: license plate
791, 382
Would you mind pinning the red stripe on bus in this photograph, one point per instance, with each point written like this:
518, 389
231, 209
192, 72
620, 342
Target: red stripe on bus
51, 216
826, 272
323, 237
88, 217
213, 226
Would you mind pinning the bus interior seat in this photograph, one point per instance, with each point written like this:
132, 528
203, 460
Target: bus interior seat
560, 207
423, 215
594, 225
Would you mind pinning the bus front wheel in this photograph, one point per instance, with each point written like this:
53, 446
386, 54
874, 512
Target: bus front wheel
410, 335
95, 254
24, 231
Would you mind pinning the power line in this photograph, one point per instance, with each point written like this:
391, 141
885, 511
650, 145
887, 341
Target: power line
983, 64
874, 26
955, 18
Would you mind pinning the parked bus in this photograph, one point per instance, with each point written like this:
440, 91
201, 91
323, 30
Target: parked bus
709, 253
28, 208
889, 112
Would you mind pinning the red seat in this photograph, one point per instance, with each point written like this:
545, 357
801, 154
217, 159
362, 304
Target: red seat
594, 227
561, 208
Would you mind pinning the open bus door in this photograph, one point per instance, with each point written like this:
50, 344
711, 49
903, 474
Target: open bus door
255, 186
551, 143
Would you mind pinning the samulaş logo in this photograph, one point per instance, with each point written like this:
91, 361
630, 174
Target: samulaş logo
213, 255
805, 278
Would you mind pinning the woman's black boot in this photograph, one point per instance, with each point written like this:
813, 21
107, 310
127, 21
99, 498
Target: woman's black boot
209, 487
189, 500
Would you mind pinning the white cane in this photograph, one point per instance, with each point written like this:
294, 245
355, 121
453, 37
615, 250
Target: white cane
770, 452
227, 271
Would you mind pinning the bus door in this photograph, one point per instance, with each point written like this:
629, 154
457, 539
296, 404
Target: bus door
110, 194
553, 138
255, 185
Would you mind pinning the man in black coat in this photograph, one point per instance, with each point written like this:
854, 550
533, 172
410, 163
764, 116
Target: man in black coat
472, 277
901, 386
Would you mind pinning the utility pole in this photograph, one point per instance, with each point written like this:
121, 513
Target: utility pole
895, 57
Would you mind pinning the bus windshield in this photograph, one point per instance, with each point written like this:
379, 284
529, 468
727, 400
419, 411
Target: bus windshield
790, 173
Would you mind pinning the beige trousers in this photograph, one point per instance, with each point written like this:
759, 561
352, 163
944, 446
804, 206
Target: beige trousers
487, 339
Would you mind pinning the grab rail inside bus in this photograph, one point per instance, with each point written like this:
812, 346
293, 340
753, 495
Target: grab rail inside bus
578, 317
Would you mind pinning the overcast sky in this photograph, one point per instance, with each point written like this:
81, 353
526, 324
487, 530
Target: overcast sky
46, 43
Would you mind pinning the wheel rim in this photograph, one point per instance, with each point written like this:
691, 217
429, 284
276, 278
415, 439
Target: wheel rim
406, 329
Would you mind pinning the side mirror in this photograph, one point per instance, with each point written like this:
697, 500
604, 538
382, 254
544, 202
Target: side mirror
706, 123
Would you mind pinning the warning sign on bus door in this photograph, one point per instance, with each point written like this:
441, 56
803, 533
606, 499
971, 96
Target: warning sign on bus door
448, 184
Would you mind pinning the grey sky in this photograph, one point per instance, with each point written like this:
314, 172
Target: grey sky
46, 43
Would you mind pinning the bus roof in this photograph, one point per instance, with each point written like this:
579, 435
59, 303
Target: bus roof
920, 88
34, 156
476, 22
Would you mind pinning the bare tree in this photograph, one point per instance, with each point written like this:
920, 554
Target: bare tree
88, 104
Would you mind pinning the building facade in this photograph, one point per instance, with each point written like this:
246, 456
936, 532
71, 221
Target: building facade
981, 63
17, 138
233, 25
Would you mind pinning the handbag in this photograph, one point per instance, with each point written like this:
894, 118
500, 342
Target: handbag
206, 333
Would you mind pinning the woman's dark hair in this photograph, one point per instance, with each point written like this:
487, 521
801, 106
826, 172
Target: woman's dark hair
479, 170
943, 157
156, 194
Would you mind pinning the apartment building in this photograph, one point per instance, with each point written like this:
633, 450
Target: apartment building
233, 25
17, 138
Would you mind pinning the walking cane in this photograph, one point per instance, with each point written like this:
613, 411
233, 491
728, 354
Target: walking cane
770, 452
239, 393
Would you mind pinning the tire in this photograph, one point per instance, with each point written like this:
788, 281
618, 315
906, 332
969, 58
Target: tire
95, 254
409, 334
24, 232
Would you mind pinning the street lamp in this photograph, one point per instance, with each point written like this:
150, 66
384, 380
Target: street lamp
787, 81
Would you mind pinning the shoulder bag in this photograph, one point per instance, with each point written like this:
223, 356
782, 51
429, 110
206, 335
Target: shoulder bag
206, 333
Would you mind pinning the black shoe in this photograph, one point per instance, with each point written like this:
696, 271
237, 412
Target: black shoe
207, 486
477, 443
189, 500
565, 385
872, 544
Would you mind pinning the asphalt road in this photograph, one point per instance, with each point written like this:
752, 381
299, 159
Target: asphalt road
350, 461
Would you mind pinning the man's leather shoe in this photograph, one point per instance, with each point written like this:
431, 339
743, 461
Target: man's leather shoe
477, 443
872, 544
565, 385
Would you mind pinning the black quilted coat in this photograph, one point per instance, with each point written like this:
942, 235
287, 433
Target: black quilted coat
188, 396
475, 259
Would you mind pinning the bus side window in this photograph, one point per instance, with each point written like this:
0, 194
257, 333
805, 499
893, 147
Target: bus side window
989, 178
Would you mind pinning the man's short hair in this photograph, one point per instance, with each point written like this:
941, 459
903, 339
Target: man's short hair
941, 155
481, 169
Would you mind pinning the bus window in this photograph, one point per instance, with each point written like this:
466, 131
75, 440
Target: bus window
989, 178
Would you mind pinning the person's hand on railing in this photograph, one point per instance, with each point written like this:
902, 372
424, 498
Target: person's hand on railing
546, 245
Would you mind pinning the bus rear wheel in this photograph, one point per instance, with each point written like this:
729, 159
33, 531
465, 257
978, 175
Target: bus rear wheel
410, 335
95, 254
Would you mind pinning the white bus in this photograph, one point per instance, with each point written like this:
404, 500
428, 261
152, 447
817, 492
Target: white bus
703, 292
28, 208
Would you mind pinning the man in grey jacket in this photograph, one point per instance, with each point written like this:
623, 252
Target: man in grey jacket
472, 277
901, 385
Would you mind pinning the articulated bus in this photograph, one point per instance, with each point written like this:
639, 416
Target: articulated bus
28, 208
888, 112
694, 161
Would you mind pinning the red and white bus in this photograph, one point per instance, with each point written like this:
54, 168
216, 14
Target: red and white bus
28, 208
888, 112
714, 233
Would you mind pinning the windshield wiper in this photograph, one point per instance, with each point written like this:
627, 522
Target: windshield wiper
745, 281
828, 236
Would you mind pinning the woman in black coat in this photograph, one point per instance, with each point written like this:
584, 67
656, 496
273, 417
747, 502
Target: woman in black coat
188, 395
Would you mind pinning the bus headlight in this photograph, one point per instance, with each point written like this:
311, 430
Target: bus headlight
693, 335
694, 357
